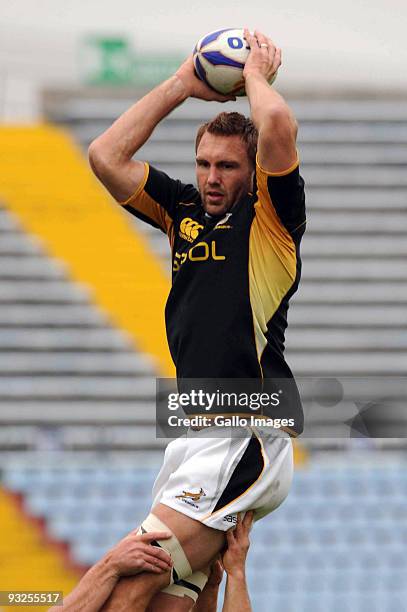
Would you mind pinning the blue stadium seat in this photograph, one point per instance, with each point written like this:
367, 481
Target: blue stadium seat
17, 480
87, 554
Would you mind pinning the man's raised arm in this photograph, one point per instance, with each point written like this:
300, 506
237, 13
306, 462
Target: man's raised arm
270, 113
234, 562
111, 154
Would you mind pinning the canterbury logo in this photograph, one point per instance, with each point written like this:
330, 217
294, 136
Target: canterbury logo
194, 496
189, 229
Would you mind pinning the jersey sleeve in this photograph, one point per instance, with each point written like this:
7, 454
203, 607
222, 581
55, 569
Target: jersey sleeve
281, 201
156, 199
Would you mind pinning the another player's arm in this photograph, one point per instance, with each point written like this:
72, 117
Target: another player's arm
111, 154
132, 555
234, 562
208, 599
270, 113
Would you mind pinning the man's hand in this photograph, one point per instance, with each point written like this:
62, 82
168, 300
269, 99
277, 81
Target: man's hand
216, 575
234, 559
208, 599
264, 57
194, 87
135, 554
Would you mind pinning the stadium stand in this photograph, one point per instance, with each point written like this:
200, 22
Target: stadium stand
77, 223
28, 559
75, 387
61, 359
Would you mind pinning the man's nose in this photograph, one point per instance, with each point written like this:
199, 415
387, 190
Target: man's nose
213, 176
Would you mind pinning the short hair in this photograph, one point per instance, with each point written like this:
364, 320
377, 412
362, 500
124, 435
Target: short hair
232, 124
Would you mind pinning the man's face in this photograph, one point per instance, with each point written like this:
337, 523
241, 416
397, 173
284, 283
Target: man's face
223, 172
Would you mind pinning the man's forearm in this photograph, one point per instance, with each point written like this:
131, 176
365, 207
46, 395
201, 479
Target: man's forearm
133, 128
236, 595
92, 591
207, 600
266, 103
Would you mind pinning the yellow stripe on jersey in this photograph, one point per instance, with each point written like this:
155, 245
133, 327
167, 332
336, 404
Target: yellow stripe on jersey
272, 261
139, 188
283, 172
141, 202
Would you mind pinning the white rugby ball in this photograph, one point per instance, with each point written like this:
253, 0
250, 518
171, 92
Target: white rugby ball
219, 59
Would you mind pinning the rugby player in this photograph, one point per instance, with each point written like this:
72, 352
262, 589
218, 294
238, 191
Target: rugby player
235, 254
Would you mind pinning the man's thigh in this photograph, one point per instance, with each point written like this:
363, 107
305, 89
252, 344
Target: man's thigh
170, 603
185, 600
199, 542
200, 545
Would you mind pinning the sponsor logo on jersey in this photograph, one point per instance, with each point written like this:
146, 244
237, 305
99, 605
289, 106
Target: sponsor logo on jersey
194, 496
230, 518
223, 227
189, 229
190, 498
201, 251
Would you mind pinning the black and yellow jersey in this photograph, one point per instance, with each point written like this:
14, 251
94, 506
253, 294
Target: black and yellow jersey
232, 276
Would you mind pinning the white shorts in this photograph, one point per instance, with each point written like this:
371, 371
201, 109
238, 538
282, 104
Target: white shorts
213, 479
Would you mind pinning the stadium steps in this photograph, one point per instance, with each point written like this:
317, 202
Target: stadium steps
74, 348
28, 560
81, 227
61, 360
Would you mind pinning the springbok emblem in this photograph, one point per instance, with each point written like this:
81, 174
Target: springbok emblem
194, 496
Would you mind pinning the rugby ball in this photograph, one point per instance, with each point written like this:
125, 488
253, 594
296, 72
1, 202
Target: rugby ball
219, 59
